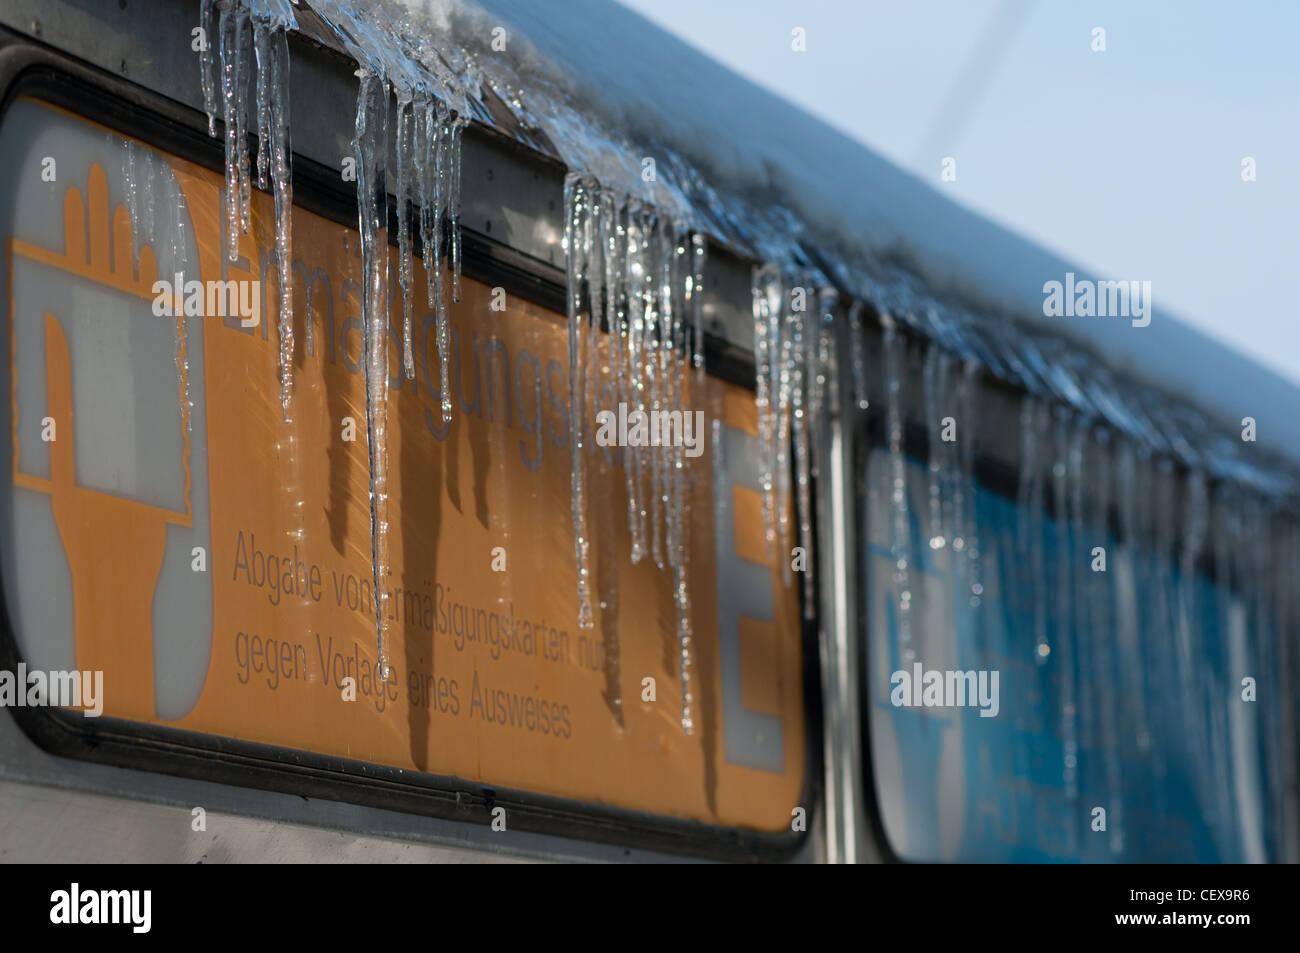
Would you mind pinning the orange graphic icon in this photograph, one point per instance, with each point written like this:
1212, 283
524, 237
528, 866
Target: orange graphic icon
114, 545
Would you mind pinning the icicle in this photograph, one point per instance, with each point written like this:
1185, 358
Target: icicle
653, 376
967, 439
1064, 654
1034, 421
282, 179
208, 63
274, 158
422, 138
577, 250
900, 529
1196, 514
436, 201
1103, 635
859, 356
766, 288
636, 350
180, 262
146, 186
699, 253
817, 351
427, 143
684, 647
1075, 465
1126, 581
233, 21
1160, 578
824, 376
665, 255
660, 269
780, 321
132, 185
592, 267
453, 205
954, 494
244, 180
261, 49
678, 275
950, 396
803, 479
371, 149
242, 30
954, 408
1106, 644
931, 377
1234, 585
614, 241
405, 147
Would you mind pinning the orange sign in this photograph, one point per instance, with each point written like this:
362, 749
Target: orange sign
218, 557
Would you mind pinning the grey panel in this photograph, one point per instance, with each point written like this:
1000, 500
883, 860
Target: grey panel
34, 822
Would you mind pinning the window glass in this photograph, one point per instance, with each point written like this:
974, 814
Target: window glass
1098, 663
162, 522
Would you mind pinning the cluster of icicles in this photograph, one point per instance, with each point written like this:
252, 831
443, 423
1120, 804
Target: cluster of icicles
249, 38
793, 345
948, 384
1141, 667
635, 281
635, 284
1052, 369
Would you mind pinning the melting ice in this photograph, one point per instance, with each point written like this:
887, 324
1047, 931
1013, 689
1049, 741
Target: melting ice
635, 276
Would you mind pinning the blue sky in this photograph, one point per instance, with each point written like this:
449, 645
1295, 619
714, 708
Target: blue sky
1126, 161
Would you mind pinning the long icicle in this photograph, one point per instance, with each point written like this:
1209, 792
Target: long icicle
405, 148
780, 321
244, 181
453, 204
440, 146
802, 458
370, 147
274, 161
248, 34
592, 268
679, 275
699, 256
232, 23
576, 226
766, 287
651, 350
635, 272
1064, 655
615, 239
900, 531
1106, 647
